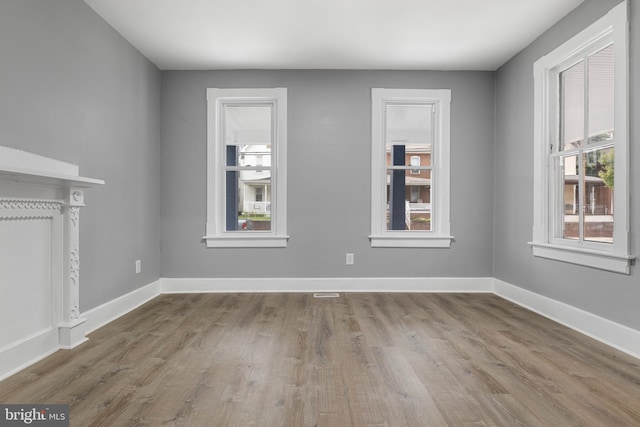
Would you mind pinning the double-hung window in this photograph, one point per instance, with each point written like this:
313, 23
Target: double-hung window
410, 168
246, 167
581, 211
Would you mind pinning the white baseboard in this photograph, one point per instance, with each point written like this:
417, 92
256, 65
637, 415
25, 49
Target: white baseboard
328, 284
604, 330
110, 311
27, 351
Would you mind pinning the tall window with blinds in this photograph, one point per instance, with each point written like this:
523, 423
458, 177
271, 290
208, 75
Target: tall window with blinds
581, 164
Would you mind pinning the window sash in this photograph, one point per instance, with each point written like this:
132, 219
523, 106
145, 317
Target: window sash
557, 202
231, 225
407, 167
558, 150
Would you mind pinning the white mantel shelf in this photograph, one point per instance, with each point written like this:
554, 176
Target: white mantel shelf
40, 203
22, 167
33, 176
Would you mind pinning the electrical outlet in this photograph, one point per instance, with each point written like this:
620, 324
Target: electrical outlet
350, 259
138, 266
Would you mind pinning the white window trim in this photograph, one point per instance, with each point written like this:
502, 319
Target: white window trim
612, 257
216, 235
439, 236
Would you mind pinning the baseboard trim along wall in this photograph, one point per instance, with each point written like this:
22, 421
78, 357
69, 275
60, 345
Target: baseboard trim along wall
27, 351
110, 311
329, 284
611, 333
604, 330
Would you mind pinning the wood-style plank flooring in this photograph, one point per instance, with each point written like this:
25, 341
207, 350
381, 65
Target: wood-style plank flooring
359, 360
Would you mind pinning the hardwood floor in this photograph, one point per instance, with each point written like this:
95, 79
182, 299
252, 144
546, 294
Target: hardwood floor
358, 360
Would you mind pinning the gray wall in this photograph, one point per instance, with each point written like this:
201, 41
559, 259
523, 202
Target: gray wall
611, 295
329, 137
71, 88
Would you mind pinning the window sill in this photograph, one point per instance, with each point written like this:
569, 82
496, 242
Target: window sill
618, 263
410, 241
245, 241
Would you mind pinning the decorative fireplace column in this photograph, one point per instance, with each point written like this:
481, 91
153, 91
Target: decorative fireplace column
71, 328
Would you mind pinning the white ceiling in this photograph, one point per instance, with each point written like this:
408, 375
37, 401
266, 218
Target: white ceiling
331, 34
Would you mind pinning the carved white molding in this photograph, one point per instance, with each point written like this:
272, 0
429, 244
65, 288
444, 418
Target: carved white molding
7, 203
74, 266
74, 215
75, 312
28, 209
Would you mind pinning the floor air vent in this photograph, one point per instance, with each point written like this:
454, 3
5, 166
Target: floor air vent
326, 295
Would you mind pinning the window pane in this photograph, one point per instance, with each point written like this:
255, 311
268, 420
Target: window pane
598, 195
572, 106
601, 95
411, 126
570, 196
249, 129
247, 136
408, 202
252, 200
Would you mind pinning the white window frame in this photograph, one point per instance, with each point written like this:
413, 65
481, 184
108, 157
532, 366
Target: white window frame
547, 241
439, 235
216, 234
